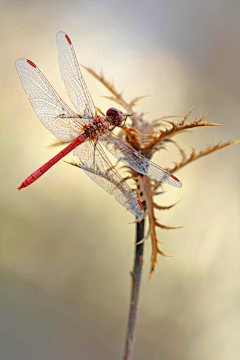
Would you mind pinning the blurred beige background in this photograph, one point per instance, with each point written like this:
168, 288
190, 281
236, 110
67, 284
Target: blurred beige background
66, 246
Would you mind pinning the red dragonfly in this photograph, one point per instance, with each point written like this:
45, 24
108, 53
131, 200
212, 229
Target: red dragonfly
86, 131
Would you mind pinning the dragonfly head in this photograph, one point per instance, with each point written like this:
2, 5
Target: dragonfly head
114, 116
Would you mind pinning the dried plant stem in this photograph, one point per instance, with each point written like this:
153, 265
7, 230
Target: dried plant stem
136, 281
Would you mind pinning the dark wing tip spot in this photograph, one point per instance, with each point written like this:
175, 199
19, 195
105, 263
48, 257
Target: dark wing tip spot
69, 41
140, 205
31, 63
175, 178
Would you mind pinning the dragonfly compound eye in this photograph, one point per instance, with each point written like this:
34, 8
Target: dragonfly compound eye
115, 116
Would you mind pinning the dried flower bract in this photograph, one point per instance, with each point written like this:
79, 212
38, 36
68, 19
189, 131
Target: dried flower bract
147, 138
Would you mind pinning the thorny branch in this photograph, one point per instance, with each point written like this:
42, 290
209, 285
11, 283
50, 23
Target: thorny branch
148, 138
135, 289
186, 159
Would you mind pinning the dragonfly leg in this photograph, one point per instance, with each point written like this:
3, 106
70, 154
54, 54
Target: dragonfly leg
124, 122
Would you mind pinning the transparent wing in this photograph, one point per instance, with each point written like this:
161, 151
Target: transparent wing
98, 167
51, 110
129, 156
75, 85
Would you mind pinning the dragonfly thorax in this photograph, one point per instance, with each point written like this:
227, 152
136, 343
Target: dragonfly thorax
96, 127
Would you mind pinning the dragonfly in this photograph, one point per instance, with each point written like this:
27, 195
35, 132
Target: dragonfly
86, 131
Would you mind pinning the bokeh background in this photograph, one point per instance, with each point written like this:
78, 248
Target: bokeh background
66, 245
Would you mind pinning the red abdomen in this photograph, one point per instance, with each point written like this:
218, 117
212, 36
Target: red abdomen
38, 173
